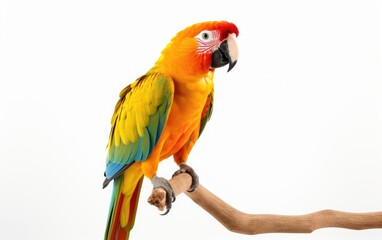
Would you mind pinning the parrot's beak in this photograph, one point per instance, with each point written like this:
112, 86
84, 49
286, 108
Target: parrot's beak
226, 53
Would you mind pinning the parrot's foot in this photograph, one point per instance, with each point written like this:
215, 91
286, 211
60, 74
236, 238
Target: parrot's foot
184, 168
159, 182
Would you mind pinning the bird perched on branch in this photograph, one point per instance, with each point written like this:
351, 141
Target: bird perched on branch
162, 114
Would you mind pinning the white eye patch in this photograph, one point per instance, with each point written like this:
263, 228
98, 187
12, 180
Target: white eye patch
207, 40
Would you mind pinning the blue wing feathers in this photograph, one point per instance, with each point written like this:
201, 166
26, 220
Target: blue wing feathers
112, 169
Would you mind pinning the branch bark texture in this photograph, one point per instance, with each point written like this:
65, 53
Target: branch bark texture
244, 223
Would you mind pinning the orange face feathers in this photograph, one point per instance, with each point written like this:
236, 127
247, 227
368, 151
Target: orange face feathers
192, 51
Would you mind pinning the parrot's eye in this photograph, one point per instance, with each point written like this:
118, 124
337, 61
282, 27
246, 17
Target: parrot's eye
205, 36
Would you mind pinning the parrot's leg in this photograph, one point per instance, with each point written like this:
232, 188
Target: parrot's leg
181, 158
184, 168
159, 182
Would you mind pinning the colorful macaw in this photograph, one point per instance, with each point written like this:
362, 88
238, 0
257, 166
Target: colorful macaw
162, 114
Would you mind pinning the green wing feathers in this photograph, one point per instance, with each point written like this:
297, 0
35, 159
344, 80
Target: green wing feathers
207, 112
138, 121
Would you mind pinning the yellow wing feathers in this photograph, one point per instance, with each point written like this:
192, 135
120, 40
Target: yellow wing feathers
138, 102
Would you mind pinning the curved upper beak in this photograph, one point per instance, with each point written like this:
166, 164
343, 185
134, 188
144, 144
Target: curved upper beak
226, 53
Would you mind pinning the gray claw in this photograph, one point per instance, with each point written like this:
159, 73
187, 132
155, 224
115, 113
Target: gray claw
165, 213
159, 182
184, 168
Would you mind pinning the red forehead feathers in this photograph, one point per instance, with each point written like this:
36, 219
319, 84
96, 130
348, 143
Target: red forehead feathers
224, 27
227, 28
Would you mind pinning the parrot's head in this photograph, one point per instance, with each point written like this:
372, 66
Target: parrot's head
200, 48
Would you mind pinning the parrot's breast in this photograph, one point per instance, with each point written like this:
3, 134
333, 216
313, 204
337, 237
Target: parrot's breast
185, 114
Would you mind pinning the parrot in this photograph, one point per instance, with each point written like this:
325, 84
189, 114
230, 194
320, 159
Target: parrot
161, 115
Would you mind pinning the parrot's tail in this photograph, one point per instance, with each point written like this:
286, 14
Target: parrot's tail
123, 206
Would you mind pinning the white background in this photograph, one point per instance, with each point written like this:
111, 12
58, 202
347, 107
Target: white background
297, 124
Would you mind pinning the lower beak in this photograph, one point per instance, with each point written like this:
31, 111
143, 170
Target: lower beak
226, 53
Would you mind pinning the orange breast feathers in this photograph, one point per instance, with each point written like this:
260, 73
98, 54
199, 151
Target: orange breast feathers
183, 124
184, 120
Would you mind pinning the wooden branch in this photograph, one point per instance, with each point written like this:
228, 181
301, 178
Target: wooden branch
245, 223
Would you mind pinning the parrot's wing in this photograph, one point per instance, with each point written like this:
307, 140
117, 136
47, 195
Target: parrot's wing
207, 112
138, 121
